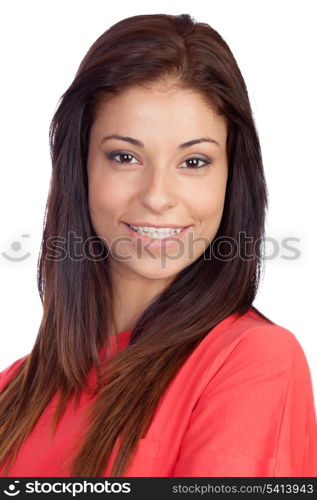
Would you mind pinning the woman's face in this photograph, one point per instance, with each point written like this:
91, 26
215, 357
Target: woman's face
148, 179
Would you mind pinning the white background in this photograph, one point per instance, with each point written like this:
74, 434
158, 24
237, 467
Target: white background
274, 43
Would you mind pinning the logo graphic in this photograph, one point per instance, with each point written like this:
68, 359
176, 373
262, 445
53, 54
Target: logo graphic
12, 493
16, 246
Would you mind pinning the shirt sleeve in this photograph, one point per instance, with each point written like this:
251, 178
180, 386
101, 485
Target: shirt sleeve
256, 417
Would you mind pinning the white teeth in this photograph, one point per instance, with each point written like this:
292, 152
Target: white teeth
156, 232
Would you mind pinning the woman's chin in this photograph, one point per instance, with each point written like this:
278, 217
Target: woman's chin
155, 270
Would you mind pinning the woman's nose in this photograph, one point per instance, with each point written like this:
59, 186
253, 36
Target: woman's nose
158, 191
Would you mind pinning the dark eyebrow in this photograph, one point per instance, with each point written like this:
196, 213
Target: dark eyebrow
136, 142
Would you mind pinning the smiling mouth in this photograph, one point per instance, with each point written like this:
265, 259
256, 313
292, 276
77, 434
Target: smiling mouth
160, 233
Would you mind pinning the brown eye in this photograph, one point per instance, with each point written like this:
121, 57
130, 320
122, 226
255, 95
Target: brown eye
124, 156
192, 163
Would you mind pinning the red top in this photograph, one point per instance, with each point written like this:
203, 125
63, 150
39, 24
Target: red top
241, 405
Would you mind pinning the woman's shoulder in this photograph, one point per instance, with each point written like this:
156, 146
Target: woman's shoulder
9, 371
254, 411
254, 340
267, 335
256, 328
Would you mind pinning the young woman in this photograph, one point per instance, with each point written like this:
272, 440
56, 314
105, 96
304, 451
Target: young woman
150, 358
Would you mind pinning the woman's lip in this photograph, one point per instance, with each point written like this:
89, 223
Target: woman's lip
170, 226
157, 241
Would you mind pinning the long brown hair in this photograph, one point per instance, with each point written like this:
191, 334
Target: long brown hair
77, 294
